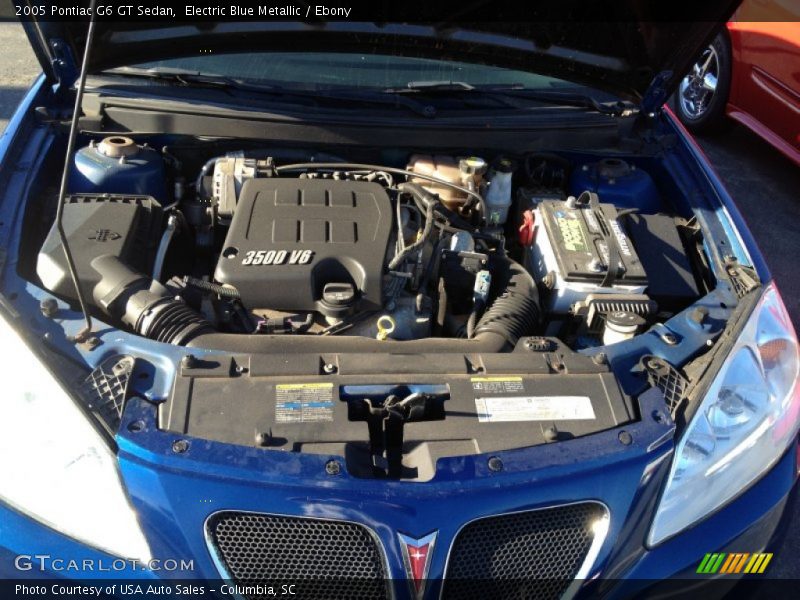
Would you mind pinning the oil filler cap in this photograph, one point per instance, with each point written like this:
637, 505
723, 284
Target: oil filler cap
339, 294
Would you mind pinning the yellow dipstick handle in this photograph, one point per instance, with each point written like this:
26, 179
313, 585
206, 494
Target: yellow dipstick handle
386, 326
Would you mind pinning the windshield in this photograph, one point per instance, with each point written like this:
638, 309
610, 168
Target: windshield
324, 70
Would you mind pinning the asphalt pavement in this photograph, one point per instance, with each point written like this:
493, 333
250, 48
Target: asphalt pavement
764, 184
18, 69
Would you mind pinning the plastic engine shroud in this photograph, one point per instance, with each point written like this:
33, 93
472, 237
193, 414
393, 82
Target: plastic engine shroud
290, 237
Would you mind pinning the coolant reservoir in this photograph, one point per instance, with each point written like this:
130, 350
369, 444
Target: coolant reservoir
498, 197
117, 165
466, 172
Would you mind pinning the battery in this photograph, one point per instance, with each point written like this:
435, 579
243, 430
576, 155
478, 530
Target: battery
576, 248
581, 235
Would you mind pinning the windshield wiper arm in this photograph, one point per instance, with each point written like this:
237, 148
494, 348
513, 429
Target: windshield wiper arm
435, 86
515, 96
616, 108
191, 78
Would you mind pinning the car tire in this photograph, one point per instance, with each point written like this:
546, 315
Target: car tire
703, 94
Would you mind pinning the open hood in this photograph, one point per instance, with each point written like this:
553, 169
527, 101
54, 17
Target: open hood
627, 47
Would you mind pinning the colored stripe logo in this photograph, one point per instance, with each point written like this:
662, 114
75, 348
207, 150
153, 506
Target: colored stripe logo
734, 562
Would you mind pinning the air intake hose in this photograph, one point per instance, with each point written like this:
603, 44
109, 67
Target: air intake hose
515, 310
144, 304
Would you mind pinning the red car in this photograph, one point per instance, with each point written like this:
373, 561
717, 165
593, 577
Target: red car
751, 73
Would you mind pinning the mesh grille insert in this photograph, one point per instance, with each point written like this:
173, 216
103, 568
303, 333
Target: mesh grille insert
105, 390
533, 554
324, 559
668, 379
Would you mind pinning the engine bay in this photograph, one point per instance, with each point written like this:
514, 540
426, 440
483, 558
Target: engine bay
452, 246
391, 307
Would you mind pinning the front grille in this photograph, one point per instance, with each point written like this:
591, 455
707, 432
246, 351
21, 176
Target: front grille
324, 559
533, 554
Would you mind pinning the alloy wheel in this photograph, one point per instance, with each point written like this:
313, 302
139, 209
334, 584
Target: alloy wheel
697, 89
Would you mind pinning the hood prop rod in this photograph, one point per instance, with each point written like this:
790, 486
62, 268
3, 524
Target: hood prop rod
84, 334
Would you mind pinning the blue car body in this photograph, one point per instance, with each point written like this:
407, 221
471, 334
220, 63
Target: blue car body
175, 493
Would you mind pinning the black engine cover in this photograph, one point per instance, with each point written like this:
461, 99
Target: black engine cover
290, 237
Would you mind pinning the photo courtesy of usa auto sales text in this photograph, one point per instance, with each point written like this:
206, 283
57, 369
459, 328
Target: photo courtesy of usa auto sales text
158, 590
121, 589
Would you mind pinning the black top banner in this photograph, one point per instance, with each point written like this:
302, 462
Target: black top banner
438, 12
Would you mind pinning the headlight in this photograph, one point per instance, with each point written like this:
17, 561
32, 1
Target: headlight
55, 466
745, 423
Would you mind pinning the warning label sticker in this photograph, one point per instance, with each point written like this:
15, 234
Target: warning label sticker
497, 385
303, 402
534, 408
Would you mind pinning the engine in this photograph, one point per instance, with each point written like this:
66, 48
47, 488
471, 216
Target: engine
441, 246
308, 245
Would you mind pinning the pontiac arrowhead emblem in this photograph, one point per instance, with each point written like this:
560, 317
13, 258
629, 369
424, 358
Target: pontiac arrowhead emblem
417, 555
